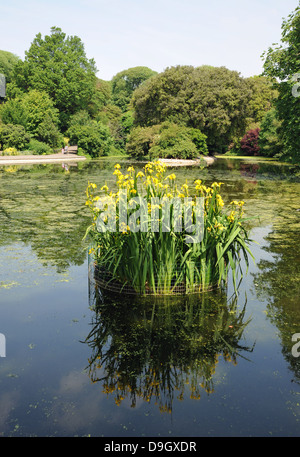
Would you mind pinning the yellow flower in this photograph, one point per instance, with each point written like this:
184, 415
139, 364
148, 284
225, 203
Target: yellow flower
140, 174
117, 166
105, 188
216, 184
171, 177
219, 200
219, 226
148, 181
148, 167
231, 216
124, 228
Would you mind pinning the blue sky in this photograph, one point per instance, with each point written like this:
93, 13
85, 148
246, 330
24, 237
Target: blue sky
121, 34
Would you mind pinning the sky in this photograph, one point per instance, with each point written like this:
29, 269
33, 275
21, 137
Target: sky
121, 34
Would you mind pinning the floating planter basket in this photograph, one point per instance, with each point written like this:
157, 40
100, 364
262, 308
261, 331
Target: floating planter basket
106, 281
137, 242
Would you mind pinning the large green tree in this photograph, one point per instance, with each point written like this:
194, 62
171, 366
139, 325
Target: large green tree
269, 138
214, 100
7, 62
35, 111
57, 64
125, 82
262, 98
100, 98
282, 62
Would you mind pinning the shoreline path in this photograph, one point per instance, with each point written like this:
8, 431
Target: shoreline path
61, 158
31, 159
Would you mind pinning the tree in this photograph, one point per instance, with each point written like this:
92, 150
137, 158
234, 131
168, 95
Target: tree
111, 116
249, 143
91, 136
269, 139
262, 98
140, 140
35, 111
126, 82
13, 136
38, 106
175, 142
212, 100
164, 97
166, 140
100, 98
57, 65
7, 63
13, 112
47, 132
281, 62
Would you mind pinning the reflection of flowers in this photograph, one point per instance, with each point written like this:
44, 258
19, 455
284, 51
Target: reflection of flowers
157, 350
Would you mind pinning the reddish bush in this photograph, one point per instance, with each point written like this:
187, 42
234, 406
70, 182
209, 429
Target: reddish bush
249, 143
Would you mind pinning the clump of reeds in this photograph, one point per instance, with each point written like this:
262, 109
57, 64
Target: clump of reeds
152, 253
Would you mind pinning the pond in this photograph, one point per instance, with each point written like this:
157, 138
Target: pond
79, 362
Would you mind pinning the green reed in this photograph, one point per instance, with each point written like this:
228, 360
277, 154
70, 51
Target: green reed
162, 261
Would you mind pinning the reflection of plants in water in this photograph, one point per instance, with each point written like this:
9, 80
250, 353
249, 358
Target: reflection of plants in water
40, 205
277, 278
153, 349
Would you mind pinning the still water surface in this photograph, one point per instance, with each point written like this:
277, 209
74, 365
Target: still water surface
77, 364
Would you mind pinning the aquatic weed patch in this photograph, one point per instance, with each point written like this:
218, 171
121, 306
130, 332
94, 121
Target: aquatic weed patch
150, 235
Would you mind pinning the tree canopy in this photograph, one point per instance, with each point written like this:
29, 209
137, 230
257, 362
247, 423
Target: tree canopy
7, 62
57, 64
214, 100
181, 112
262, 97
35, 111
282, 63
125, 82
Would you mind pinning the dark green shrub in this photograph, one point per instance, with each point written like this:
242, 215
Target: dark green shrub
13, 136
166, 140
140, 140
93, 138
38, 147
47, 132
